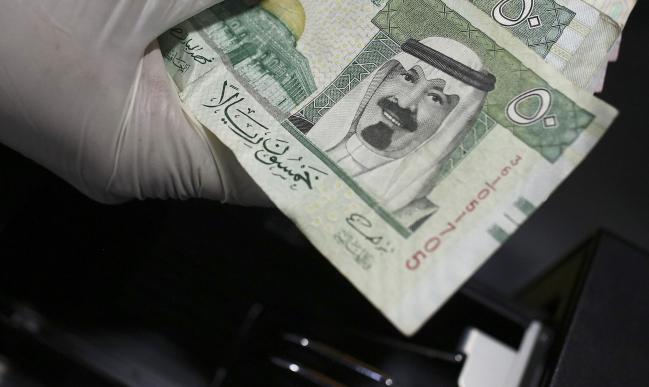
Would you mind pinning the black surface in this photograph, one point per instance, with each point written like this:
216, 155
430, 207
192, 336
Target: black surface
607, 340
187, 272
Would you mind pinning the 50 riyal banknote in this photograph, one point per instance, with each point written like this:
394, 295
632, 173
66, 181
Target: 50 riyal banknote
618, 10
407, 139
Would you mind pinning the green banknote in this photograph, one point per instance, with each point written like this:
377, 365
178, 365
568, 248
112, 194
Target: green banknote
618, 10
407, 139
572, 35
575, 36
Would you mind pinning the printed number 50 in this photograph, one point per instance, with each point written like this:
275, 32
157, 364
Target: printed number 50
500, 17
544, 103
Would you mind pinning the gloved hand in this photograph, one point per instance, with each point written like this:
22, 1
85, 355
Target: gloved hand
84, 92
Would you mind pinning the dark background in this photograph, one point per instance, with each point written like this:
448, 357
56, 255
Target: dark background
45, 225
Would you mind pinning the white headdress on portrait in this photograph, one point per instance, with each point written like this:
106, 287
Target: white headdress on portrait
398, 182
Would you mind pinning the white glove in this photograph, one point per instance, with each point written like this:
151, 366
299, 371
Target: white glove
79, 95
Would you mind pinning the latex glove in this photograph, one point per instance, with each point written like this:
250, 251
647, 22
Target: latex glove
79, 95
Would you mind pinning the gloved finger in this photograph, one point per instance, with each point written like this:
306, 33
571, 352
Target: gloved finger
238, 186
106, 25
159, 16
164, 153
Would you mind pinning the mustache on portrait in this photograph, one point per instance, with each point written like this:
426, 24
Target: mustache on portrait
407, 117
380, 134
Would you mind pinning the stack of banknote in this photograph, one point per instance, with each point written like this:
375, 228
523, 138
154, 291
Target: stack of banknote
407, 139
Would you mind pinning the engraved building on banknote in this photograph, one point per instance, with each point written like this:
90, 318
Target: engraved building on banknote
260, 43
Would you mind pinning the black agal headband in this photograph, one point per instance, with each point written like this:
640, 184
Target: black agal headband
479, 80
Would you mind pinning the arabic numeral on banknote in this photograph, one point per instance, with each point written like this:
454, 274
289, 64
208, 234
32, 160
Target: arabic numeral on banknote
571, 35
499, 15
539, 24
516, 114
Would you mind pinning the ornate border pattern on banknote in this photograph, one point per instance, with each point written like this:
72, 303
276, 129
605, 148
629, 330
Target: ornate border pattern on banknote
539, 23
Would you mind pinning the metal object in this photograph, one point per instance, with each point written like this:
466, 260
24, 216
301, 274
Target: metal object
342, 358
309, 374
490, 363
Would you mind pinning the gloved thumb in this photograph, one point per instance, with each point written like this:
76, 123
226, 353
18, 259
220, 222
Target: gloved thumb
160, 16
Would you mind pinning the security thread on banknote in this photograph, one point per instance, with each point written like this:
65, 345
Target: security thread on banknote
407, 139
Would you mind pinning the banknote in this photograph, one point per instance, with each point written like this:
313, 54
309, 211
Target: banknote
407, 139
615, 50
618, 10
597, 83
572, 35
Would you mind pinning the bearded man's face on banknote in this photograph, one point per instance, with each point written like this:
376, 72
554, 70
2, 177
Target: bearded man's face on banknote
405, 110
394, 132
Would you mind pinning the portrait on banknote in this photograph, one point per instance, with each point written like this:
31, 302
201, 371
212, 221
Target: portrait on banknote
393, 132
